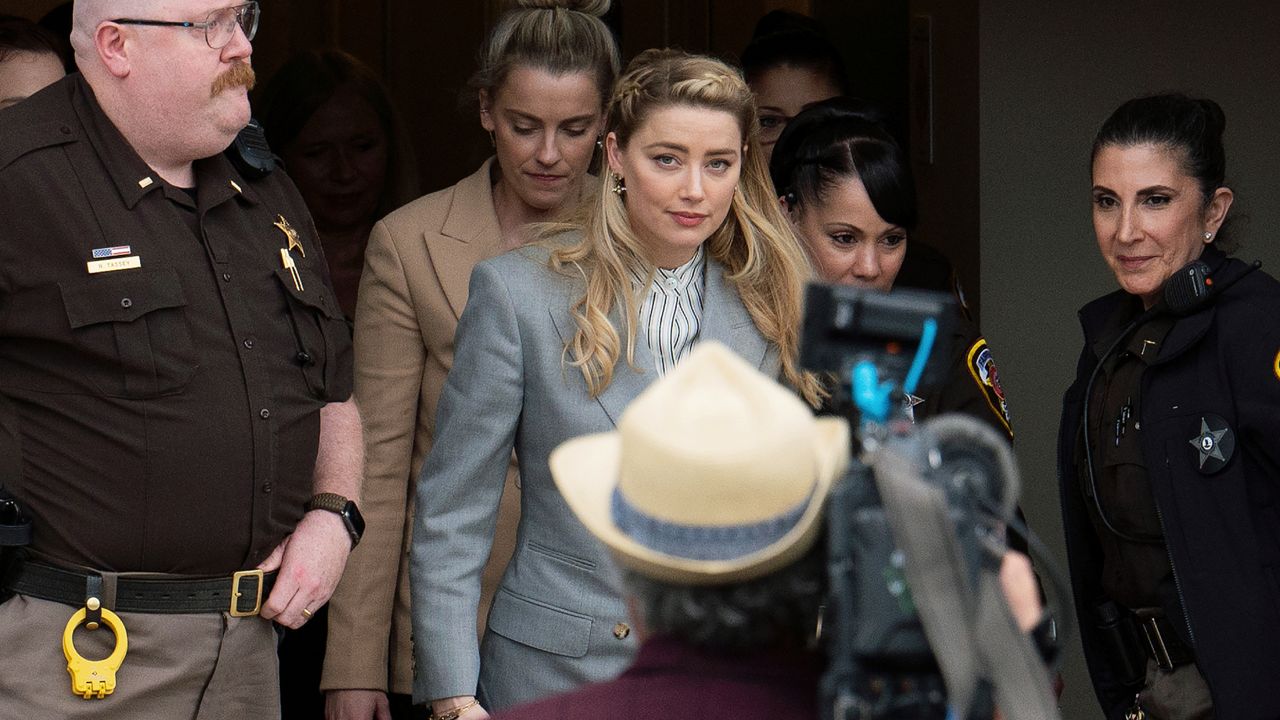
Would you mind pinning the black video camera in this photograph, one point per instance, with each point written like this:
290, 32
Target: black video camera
877, 349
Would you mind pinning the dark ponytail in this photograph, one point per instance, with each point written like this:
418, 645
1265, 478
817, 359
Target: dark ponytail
838, 139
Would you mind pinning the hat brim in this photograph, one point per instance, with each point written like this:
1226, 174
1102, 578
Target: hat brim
586, 470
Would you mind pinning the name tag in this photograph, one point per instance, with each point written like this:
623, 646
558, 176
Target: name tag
124, 263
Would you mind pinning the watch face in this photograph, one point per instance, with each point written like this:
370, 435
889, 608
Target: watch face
355, 521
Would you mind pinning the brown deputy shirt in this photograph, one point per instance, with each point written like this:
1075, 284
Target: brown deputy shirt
161, 369
1132, 572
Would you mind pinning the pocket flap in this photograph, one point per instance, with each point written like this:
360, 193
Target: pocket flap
313, 294
540, 625
122, 297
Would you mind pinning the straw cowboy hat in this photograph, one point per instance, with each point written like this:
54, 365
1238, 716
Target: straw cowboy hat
715, 474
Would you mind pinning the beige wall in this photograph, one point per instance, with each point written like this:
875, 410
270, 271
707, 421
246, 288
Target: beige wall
1050, 74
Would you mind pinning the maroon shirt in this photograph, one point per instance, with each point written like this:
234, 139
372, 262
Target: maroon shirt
671, 680
166, 415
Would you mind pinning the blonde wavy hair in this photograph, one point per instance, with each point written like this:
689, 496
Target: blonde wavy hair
756, 245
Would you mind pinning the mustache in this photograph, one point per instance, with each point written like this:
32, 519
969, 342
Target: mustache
241, 73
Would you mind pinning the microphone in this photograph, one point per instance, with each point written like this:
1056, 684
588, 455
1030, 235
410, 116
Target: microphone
1187, 289
1191, 288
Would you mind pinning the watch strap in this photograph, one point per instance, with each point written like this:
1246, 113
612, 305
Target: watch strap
333, 502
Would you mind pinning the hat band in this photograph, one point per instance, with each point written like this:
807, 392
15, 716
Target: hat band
703, 542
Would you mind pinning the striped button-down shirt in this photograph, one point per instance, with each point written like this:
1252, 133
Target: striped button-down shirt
671, 314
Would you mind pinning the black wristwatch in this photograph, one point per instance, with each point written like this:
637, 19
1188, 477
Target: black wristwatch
343, 508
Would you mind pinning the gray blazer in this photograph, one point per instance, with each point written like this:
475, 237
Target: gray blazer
553, 621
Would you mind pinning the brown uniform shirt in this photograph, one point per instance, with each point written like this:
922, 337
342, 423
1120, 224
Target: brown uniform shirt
162, 369
1132, 572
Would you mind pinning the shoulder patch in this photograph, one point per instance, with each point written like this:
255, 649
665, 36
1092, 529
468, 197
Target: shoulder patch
982, 367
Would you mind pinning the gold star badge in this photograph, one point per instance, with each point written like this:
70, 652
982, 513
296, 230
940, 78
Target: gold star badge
291, 234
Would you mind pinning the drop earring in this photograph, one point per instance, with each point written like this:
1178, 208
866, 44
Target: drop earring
619, 186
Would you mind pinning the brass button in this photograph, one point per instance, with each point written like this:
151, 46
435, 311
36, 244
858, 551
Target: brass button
621, 631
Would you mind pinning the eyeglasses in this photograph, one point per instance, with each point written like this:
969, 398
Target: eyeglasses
219, 26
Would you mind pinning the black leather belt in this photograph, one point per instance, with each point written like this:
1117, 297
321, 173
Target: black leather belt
240, 595
1163, 644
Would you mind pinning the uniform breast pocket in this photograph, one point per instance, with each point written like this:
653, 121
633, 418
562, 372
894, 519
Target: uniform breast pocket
323, 339
132, 332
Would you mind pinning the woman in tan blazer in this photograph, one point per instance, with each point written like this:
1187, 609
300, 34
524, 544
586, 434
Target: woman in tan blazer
546, 74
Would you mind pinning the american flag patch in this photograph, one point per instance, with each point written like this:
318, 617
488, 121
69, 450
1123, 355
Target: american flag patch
117, 251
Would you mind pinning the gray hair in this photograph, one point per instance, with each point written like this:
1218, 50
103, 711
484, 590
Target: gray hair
776, 612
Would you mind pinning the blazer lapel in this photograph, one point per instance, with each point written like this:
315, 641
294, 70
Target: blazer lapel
627, 382
469, 235
726, 320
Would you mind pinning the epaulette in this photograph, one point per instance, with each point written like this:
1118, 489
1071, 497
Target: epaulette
21, 138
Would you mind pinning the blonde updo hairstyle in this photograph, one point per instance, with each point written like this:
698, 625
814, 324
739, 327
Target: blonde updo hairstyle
755, 244
558, 36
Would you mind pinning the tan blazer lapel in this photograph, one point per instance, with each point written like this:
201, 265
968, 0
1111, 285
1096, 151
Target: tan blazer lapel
468, 235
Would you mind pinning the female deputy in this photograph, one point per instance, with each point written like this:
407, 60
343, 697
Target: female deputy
848, 189
684, 242
1169, 486
545, 73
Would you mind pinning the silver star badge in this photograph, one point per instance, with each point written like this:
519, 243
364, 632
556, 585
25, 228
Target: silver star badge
1207, 443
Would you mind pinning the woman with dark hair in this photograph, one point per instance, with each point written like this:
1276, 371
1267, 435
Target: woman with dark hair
1167, 451
848, 189
31, 59
790, 65
332, 122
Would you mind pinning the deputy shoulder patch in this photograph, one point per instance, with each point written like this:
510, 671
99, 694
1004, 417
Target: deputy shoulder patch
982, 367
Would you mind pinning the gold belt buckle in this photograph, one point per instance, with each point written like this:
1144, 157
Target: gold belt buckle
236, 594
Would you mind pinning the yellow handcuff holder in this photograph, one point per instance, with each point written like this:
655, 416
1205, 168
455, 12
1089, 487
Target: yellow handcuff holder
94, 678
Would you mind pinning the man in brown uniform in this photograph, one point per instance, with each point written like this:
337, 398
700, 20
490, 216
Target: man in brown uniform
175, 374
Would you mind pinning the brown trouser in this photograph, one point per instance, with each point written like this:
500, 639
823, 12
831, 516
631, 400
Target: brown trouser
207, 666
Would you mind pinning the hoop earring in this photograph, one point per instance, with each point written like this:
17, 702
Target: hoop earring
619, 186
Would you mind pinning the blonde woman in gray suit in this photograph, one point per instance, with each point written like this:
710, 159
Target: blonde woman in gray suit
684, 242
546, 72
